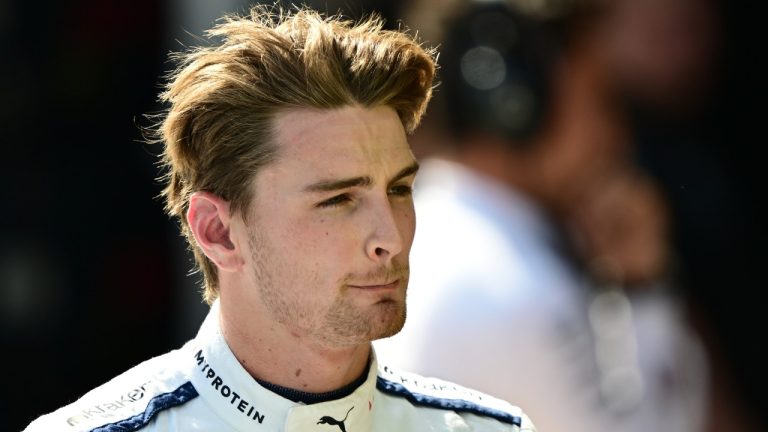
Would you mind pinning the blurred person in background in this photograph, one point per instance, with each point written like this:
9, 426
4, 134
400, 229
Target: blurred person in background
687, 70
541, 261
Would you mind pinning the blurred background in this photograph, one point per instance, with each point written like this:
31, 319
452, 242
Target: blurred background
94, 278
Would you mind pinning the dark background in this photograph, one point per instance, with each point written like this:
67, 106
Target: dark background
86, 256
93, 275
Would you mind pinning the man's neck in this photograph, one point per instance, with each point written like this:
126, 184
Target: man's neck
270, 352
309, 398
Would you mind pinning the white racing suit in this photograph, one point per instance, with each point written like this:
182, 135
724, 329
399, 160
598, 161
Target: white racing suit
203, 387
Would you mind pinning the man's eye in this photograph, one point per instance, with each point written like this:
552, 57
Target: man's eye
402, 190
335, 201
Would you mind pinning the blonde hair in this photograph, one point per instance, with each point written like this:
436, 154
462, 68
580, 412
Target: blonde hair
217, 132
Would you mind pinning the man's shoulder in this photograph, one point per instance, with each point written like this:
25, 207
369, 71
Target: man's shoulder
127, 402
471, 405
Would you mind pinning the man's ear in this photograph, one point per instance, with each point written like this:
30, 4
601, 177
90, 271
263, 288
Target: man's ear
210, 221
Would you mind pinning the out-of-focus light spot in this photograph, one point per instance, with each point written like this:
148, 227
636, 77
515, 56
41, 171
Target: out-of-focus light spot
610, 315
513, 106
622, 388
483, 68
621, 382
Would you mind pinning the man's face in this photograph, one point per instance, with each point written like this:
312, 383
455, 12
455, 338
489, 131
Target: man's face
331, 225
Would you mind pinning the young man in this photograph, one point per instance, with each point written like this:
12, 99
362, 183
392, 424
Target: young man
290, 171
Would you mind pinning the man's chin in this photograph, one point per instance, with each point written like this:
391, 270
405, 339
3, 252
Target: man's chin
390, 321
355, 326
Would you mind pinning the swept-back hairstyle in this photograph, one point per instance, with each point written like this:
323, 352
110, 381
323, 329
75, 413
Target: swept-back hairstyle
217, 131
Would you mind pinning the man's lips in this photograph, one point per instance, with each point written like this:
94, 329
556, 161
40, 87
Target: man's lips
377, 285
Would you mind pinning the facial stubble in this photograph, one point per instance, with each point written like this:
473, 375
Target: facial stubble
342, 323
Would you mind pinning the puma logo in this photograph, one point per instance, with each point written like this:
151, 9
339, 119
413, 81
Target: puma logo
333, 422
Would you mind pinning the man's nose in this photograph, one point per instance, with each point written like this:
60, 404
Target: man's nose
384, 239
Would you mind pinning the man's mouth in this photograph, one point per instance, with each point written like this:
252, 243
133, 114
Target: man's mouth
382, 285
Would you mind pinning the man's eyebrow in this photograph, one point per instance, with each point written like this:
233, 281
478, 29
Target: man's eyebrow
405, 172
332, 185
364, 181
